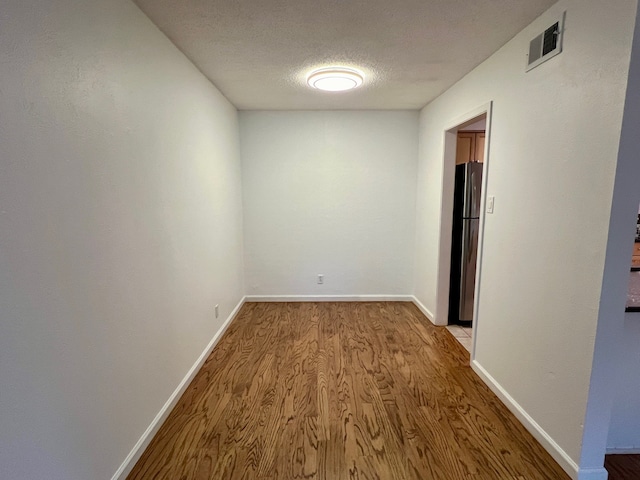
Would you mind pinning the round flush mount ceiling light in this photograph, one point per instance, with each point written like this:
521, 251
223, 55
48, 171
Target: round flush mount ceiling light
335, 79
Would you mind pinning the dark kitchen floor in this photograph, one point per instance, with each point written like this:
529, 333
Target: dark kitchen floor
633, 295
623, 467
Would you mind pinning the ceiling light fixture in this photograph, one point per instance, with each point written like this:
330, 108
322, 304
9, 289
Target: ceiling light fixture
335, 79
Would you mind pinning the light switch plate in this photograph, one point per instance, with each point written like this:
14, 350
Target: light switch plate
490, 202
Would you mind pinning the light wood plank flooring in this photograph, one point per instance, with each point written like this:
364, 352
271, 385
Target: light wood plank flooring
341, 391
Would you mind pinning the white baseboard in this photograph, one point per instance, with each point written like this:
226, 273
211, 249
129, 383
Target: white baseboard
147, 436
623, 451
558, 454
593, 474
427, 313
329, 298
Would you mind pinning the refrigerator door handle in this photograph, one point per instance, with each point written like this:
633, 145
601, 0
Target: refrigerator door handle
475, 186
467, 208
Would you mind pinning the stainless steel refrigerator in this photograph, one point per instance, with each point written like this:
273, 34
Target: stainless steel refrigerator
464, 242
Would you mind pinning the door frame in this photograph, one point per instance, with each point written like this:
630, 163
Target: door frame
446, 218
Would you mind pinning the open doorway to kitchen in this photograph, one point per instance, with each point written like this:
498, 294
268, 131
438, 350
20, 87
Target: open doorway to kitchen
463, 204
465, 230
633, 293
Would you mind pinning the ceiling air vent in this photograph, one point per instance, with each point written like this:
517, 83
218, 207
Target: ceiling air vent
546, 45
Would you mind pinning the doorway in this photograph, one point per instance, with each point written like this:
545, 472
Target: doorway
463, 203
466, 221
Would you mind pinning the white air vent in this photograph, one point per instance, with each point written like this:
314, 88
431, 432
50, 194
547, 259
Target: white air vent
546, 45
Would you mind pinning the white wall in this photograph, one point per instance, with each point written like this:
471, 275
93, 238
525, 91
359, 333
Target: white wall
618, 343
475, 126
329, 193
120, 229
611, 349
624, 430
553, 152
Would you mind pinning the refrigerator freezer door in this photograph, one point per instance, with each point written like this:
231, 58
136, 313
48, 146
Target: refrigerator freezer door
470, 230
472, 189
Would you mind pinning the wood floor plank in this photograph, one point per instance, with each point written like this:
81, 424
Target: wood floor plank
623, 467
332, 391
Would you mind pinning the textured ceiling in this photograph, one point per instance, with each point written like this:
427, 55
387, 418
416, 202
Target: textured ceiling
258, 52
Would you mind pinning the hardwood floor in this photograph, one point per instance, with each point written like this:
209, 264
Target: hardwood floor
623, 467
341, 391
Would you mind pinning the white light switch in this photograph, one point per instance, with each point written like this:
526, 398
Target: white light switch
490, 202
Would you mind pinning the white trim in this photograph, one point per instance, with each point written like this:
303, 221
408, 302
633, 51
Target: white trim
558, 454
140, 446
593, 474
470, 115
446, 202
483, 218
623, 451
427, 313
447, 187
329, 298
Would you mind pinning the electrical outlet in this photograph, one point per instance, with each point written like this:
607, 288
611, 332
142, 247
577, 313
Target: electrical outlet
217, 310
320, 279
